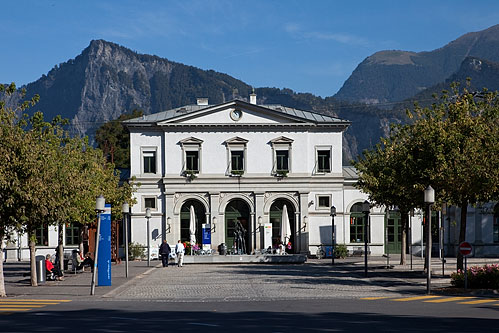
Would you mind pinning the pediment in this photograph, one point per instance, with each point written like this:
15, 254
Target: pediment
236, 140
282, 140
233, 113
191, 141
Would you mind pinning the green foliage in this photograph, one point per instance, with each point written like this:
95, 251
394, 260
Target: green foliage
136, 251
340, 251
479, 277
190, 175
114, 140
453, 146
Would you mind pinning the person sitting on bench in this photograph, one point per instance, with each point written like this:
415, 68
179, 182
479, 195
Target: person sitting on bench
87, 261
54, 271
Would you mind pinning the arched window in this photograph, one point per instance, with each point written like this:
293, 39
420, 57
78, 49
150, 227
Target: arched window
357, 221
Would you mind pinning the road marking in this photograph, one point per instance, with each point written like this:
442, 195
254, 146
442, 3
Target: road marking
203, 324
407, 299
8, 306
481, 301
2, 306
34, 300
450, 299
373, 298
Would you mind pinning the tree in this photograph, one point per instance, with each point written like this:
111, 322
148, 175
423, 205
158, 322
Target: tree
114, 140
49, 177
452, 145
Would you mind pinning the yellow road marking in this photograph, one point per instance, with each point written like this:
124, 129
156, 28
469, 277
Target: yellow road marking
34, 303
450, 299
481, 301
372, 298
406, 299
34, 300
2, 306
14, 309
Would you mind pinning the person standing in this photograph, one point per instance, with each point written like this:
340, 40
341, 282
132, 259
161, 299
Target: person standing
164, 251
180, 250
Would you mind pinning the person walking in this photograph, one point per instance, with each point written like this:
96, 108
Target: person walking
164, 251
180, 250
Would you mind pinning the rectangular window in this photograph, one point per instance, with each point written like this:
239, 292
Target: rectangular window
282, 160
323, 160
192, 161
73, 233
237, 160
149, 161
357, 229
150, 203
42, 235
324, 201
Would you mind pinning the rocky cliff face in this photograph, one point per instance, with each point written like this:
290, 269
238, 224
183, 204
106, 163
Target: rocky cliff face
390, 76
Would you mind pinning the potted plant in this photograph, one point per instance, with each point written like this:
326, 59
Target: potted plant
237, 173
281, 173
190, 174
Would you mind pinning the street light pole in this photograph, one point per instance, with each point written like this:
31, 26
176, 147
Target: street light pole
429, 199
148, 217
333, 235
100, 204
365, 209
125, 209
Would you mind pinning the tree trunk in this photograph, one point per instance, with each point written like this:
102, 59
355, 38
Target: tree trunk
462, 231
403, 241
2, 280
32, 259
60, 246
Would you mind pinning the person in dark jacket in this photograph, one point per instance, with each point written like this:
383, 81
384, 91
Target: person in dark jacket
164, 251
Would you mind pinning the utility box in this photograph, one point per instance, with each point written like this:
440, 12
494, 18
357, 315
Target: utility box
266, 232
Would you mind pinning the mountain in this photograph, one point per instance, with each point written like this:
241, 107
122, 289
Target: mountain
474, 74
392, 76
107, 80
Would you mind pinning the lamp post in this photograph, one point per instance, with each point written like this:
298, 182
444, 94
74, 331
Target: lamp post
429, 199
365, 209
100, 204
333, 214
125, 209
148, 217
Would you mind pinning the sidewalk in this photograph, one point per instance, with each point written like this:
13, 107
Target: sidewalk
73, 285
316, 277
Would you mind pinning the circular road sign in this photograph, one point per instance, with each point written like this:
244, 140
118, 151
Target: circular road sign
465, 248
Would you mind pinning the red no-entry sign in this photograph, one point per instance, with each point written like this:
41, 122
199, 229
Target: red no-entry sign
465, 248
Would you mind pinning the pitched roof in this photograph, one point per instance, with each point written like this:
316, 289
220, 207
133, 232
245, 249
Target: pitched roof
308, 116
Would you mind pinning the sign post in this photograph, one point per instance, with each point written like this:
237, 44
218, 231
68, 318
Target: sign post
465, 249
104, 260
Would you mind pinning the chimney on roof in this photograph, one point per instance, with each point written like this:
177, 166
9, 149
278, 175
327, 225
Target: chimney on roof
202, 101
253, 97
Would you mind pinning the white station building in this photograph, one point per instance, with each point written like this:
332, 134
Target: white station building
274, 170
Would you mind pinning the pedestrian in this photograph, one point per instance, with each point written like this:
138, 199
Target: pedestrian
180, 250
54, 271
164, 252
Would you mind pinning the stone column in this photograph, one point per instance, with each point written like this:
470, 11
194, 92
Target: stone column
217, 223
174, 233
253, 232
259, 202
297, 238
305, 230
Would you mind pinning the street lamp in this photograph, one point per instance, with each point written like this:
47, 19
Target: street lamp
125, 209
148, 217
100, 205
365, 209
333, 214
429, 199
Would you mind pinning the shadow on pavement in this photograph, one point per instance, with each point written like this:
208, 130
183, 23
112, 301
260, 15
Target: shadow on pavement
209, 321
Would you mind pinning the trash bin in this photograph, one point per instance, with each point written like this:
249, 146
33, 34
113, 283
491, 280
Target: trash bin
222, 249
41, 273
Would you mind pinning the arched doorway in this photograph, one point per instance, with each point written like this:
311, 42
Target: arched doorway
357, 222
185, 219
276, 212
237, 212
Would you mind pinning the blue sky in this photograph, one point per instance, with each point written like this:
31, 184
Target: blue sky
308, 46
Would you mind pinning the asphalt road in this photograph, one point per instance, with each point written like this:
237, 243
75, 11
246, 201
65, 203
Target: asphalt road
349, 315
